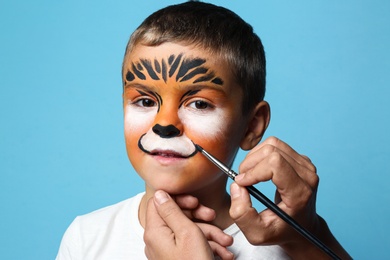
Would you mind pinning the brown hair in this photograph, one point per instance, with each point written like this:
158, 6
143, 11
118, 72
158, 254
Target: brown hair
217, 30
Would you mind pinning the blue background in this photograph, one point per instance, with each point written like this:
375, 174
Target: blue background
61, 135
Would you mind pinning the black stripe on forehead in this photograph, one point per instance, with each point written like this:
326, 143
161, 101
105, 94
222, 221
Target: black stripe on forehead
170, 59
186, 69
164, 70
130, 76
207, 77
187, 65
137, 71
157, 66
175, 65
148, 65
194, 73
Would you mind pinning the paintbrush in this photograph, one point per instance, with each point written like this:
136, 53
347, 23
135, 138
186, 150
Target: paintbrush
270, 205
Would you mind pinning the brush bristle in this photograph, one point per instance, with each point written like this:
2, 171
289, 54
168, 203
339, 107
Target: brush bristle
198, 147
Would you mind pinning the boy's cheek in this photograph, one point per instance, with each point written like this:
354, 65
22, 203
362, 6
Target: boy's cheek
134, 154
205, 127
135, 121
135, 125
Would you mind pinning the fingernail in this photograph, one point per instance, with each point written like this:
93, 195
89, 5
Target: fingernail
234, 190
239, 177
161, 197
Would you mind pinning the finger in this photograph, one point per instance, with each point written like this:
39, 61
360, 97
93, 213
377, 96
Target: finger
294, 159
241, 209
193, 209
294, 190
155, 227
273, 144
278, 162
170, 213
186, 201
276, 142
242, 212
153, 219
221, 251
258, 228
168, 232
218, 240
286, 149
204, 213
268, 154
213, 233
306, 158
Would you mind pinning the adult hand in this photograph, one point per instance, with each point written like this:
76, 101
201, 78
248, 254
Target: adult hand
296, 183
170, 234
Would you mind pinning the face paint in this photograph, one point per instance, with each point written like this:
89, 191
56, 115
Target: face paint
174, 95
186, 69
155, 95
204, 124
168, 131
138, 118
207, 123
180, 146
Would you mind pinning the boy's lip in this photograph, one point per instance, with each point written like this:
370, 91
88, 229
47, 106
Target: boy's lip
170, 154
167, 154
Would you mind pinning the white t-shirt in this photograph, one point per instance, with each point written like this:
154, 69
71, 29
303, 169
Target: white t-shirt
115, 233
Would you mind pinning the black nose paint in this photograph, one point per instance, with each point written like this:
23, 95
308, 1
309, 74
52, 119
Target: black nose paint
168, 131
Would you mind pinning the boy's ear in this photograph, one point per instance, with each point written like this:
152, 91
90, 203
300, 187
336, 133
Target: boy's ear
257, 124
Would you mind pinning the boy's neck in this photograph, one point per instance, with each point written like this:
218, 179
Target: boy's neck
218, 199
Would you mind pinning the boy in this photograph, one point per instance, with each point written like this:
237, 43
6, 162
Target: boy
195, 73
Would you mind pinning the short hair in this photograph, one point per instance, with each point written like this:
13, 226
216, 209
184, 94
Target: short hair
217, 30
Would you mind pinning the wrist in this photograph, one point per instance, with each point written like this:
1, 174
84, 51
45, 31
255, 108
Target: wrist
301, 248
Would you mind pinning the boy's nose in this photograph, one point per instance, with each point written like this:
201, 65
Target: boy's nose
168, 131
167, 123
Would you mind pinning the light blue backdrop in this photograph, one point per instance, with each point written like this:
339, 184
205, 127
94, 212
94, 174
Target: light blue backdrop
61, 140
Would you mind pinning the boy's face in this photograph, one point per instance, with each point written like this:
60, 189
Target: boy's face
175, 95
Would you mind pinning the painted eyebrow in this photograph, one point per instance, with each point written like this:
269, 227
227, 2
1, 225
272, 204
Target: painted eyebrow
152, 93
188, 93
194, 89
186, 69
146, 92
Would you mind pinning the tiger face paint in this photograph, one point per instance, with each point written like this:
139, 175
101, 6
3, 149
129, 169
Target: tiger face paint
173, 96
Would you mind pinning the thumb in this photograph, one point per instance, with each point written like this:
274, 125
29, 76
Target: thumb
153, 218
243, 213
170, 212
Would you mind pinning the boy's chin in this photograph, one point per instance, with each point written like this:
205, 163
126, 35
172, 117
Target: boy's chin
175, 188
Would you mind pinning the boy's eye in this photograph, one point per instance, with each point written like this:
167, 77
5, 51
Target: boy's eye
200, 104
145, 102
